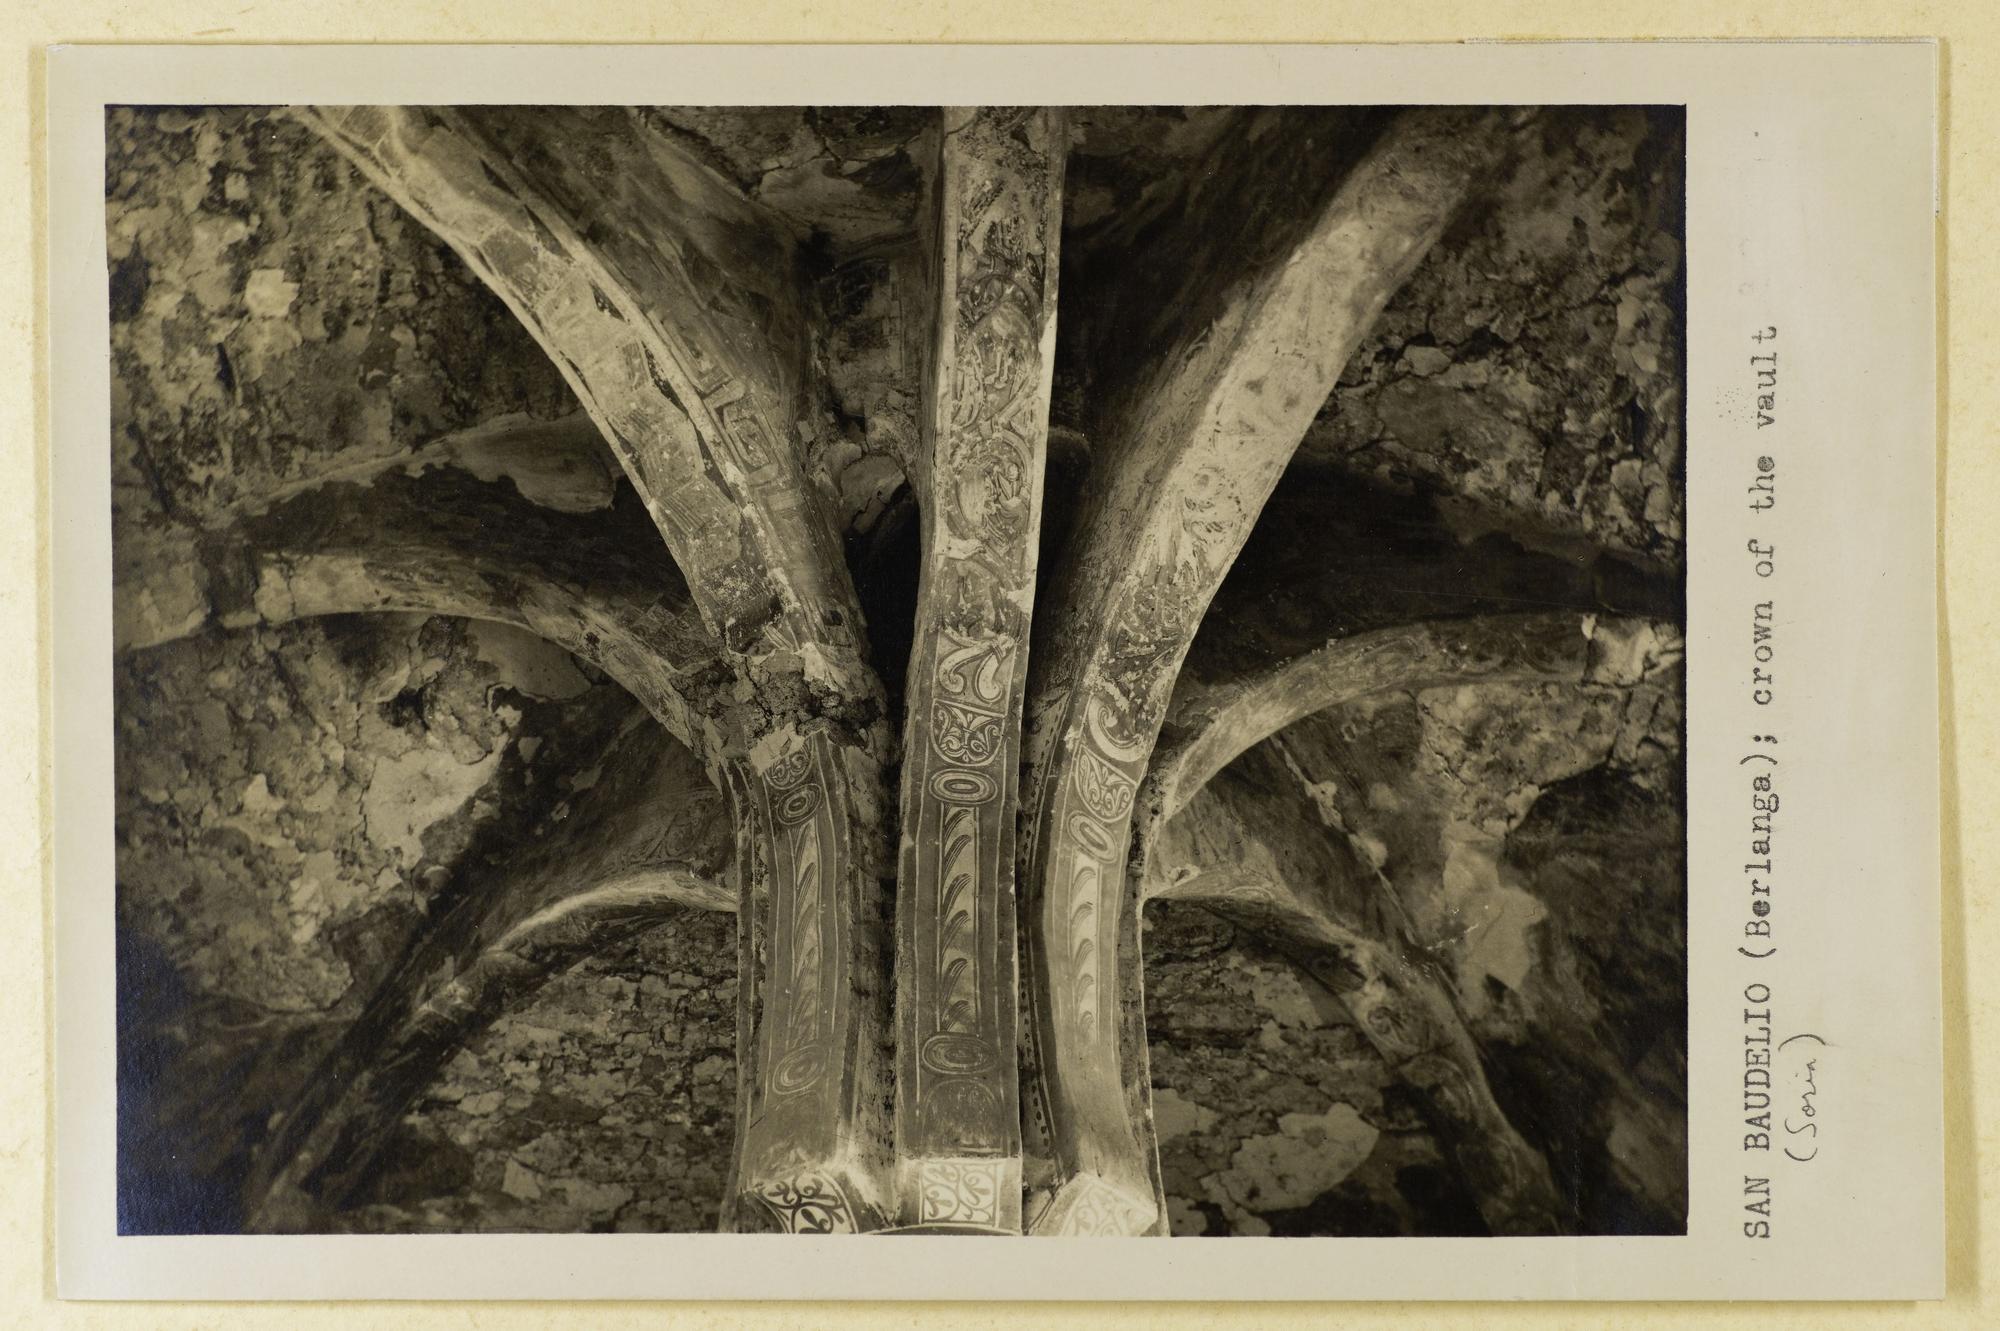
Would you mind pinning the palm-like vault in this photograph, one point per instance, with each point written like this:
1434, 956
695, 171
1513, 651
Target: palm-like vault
953, 782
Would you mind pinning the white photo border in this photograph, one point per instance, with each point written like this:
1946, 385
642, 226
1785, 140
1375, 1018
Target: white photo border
1812, 185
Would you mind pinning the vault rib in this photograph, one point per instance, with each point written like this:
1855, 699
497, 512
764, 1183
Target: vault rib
595, 872
1189, 461
671, 305
984, 435
430, 544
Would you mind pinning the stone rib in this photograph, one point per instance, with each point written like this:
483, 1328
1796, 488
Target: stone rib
1192, 459
593, 874
431, 544
995, 236
1212, 721
670, 305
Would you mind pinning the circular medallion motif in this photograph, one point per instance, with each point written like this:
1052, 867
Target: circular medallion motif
961, 787
790, 769
1088, 833
957, 1053
799, 805
798, 1070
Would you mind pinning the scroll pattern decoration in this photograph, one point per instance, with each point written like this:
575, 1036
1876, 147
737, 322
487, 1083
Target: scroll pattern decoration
961, 1192
806, 922
961, 785
808, 1203
985, 435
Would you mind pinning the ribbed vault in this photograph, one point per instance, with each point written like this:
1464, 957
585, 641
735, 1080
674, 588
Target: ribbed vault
930, 537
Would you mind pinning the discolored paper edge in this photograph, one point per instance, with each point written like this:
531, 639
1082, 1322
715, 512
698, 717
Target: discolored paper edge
1811, 187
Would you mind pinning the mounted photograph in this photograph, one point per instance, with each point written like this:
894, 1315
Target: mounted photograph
1013, 670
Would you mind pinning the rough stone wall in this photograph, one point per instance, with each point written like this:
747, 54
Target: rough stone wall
607, 1104
274, 317
1275, 1114
290, 805
294, 803
1530, 369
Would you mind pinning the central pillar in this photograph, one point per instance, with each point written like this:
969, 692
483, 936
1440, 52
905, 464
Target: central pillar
997, 215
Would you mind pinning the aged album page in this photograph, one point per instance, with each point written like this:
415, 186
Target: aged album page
1301, 672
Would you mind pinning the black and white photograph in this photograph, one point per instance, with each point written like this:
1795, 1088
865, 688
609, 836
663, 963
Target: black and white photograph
1011, 670
667, 657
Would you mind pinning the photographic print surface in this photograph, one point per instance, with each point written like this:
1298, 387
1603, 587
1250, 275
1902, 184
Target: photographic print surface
1018, 670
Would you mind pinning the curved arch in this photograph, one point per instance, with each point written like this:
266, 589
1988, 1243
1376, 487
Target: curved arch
670, 303
1315, 910
1212, 722
1199, 441
427, 543
1327, 912
592, 873
665, 298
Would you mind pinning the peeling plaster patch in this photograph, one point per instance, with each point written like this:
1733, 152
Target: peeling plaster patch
272, 599
208, 269
534, 665
1308, 1155
1185, 1220
1279, 993
1495, 920
866, 486
1628, 651
1174, 1116
409, 794
256, 797
521, 1182
267, 295
1325, 796
320, 893
1383, 796
820, 669
1426, 361
771, 747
